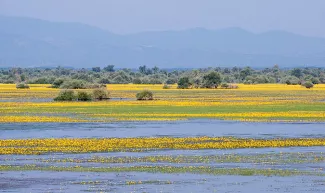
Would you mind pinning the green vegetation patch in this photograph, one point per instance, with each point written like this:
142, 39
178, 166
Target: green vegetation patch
167, 169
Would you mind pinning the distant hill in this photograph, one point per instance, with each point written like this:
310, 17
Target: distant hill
30, 42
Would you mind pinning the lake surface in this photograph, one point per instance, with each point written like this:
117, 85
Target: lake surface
50, 181
117, 182
189, 128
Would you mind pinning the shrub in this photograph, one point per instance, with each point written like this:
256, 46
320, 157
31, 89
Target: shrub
100, 94
308, 84
104, 81
322, 79
84, 96
248, 82
229, 86
94, 86
57, 83
66, 95
184, 83
171, 81
137, 81
166, 86
233, 86
41, 80
155, 81
291, 80
22, 86
315, 80
145, 95
224, 85
73, 84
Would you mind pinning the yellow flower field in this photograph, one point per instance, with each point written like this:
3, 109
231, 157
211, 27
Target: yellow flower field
265, 102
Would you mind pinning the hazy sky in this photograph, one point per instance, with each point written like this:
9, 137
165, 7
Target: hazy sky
305, 17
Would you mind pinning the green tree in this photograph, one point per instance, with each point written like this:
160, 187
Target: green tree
143, 69
109, 68
297, 72
211, 80
155, 70
247, 71
57, 83
96, 69
73, 84
291, 80
184, 83
137, 81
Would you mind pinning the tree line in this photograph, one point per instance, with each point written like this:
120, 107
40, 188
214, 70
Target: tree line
61, 77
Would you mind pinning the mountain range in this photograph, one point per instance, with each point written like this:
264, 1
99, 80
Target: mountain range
28, 42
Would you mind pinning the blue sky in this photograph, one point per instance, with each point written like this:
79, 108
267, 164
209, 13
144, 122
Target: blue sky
306, 17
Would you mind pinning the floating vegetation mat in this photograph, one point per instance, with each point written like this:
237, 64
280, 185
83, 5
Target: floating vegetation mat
166, 169
91, 145
269, 158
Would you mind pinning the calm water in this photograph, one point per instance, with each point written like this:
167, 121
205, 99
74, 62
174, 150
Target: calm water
116, 182
47, 181
175, 129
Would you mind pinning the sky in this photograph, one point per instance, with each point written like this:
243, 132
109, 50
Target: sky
306, 17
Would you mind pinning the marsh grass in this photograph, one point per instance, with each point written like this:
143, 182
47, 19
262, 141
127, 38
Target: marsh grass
167, 169
270, 158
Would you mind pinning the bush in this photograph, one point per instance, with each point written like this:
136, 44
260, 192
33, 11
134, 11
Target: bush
155, 81
184, 83
100, 94
84, 96
291, 80
315, 80
73, 84
308, 84
224, 85
171, 81
145, 95
57, 83
104, 81
137, 81
248, 82
94, 86
322, 79
229, 86
233, 86
22, 86
166, 86
66, 95
41, 80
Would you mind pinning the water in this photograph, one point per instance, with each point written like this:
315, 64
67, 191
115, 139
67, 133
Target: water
49, 181
117, 182
190, 128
